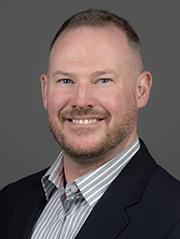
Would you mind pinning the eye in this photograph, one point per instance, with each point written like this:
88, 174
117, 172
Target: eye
65, 81
104, 80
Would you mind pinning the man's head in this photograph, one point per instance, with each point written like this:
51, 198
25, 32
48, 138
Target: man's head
95, 85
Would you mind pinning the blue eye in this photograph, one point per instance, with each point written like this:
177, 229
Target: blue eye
104, 80
65, 81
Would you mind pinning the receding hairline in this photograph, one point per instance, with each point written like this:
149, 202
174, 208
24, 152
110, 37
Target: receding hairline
134, 53
100, 18
97, 18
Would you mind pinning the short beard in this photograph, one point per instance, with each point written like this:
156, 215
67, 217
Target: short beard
116, 137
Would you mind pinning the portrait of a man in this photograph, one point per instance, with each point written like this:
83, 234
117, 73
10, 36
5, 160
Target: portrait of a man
104, 183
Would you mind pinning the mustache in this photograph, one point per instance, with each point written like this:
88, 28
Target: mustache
79, 111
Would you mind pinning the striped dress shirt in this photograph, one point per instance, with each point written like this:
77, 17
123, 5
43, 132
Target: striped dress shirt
68, 208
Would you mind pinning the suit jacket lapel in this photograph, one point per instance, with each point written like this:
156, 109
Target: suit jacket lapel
106, 220
27, 210
35, 208
109, 217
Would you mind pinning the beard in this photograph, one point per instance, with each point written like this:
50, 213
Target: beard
114, 137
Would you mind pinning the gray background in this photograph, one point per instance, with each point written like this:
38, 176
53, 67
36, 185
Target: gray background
26, 29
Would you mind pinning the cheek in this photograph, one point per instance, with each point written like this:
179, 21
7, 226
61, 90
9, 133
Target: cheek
57, 101
118, 103
112, 102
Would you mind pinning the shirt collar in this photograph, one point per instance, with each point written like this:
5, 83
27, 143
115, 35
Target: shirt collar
54, 177
94, 184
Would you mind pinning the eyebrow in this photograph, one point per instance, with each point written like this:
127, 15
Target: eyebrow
96, 73
61, 73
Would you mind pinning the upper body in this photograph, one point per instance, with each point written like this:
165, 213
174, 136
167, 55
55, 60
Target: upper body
93, 89
141, 202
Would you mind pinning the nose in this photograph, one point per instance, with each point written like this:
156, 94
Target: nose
83, 96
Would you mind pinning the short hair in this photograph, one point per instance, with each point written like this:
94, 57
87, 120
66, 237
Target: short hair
101, 18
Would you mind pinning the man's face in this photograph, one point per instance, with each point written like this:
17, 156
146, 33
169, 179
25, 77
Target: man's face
91, 92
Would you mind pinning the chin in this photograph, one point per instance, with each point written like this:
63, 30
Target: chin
83, 151
83, 145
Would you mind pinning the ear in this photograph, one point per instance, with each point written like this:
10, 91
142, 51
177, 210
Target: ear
44, 86
143, 87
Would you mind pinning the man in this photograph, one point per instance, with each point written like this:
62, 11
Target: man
104, 184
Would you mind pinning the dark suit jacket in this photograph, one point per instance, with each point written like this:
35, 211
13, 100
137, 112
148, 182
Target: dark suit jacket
143, 202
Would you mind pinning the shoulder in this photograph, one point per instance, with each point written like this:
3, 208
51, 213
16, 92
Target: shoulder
164, 184
22, 186
163, 193
160, 191
17, 198
161, 184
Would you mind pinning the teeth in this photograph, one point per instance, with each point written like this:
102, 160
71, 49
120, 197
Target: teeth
84, 121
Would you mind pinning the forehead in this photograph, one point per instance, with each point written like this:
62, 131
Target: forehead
90, 45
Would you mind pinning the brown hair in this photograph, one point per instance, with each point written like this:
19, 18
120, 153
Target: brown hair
101, 18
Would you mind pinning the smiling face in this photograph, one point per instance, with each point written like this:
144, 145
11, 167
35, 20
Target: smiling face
92, 92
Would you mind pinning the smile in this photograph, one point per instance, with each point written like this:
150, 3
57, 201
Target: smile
85, 121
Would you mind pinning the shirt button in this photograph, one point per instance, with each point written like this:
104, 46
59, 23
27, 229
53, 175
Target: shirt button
74, 188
